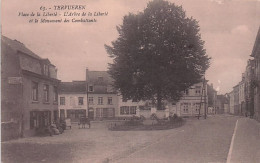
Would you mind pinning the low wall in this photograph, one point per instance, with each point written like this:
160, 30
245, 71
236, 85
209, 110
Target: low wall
145, 113
160, 113
9, 131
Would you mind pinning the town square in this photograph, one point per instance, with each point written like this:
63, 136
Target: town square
130, 81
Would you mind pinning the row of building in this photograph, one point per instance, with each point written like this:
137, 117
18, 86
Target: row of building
32, 96
244, 99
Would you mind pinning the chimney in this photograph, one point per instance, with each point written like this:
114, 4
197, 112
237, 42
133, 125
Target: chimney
211, 85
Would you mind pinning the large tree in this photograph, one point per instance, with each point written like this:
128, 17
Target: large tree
158, 54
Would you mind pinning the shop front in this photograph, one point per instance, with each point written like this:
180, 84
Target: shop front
75, 114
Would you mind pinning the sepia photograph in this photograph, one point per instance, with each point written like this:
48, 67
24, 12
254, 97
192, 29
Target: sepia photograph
130, 81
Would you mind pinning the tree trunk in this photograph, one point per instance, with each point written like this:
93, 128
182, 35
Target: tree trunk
159, 101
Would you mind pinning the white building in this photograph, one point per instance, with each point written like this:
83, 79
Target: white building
73, 100
102, 98
193, 102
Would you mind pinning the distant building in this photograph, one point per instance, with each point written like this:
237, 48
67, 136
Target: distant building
102, 98
236, 99
222, 104
256, 77
73, 100
232, 102
104, 102
241, 99
29, 99
212, 99
249, 89
194, 101
226, 105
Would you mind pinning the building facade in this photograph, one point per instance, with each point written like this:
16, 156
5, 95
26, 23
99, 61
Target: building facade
29, 90
249, 89
104, 102
222, 104
212, 99
256, 77
194, 101
73, 101
232, 102
236, 99
102, 98
241, 99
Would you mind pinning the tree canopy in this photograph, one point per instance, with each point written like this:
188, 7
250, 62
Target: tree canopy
158, 54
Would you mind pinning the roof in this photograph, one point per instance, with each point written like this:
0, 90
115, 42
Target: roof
72, 87
257, 43
99, 77
222, 98
19, 47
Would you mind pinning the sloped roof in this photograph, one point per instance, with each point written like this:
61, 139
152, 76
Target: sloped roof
19, 47
257, 43
72, 87
95, 76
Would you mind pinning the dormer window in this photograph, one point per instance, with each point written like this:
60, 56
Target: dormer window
46, 70
91, 88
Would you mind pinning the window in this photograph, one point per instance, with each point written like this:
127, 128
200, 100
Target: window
185, 107
33, 120
80, 101
124, 110
197, 90
91, 100
39, 119
46, 70
34, 91
109, 101
132, 109
62, 100
91, 88
55, 91
197, 107
46, 93
100, 100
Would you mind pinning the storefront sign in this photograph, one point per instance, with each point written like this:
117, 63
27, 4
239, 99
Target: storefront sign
15, 80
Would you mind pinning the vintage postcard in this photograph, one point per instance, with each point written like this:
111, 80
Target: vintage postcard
130, 81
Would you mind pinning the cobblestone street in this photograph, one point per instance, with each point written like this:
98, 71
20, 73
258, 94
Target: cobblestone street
80, 145
209, 140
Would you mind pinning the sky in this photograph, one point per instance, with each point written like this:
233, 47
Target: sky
228, 27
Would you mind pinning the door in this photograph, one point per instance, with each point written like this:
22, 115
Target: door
62, 114
91, 113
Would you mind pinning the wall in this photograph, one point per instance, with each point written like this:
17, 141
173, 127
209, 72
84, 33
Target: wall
105, 105
192, 99
131, 103
10, 95
75, 106
53, 71
40, 105
30, 64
